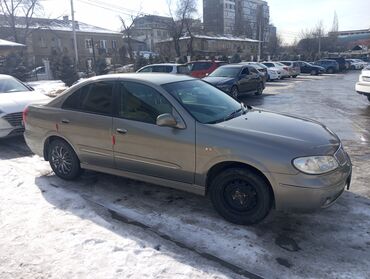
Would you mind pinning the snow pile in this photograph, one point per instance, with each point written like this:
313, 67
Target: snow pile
51, 88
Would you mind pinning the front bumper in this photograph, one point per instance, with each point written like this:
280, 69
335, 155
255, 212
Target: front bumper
363, 88
305, 193
7, 130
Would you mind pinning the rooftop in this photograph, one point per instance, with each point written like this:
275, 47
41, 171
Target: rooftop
58, 25
220, 38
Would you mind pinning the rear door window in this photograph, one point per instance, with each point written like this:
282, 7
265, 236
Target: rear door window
98, 99
92, 98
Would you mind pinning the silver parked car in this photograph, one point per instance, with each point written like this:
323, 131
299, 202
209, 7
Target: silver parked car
169, 68
184, 133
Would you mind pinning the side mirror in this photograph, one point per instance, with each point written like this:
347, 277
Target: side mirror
166, 120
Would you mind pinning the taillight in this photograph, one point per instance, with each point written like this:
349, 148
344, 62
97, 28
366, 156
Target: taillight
24, 115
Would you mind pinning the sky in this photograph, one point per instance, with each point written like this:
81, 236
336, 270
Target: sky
289, 16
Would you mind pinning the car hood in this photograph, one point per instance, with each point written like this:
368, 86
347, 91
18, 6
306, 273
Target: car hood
218, 80
17, 101
302, 137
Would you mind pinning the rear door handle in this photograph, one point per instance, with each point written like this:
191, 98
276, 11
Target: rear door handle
121, 131
65, 121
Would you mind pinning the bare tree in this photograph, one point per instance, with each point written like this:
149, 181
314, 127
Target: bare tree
182, 22
19, 12
128, 29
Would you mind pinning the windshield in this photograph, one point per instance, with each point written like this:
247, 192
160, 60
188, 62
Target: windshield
226, 72
11, 85
205, 103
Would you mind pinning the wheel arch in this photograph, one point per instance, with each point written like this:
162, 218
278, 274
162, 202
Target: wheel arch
51, 138
222, 166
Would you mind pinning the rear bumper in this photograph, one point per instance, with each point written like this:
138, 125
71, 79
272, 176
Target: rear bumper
34, 143
363, 88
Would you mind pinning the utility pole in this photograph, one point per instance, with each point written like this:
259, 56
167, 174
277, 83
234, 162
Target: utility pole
74, 35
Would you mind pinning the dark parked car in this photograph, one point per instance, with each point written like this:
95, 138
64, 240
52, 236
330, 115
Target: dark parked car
262, 70
330, 66
201, 69
343, 65
236, 79
308, 68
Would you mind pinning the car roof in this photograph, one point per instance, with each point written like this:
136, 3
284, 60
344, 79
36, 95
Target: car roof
164, 64
154, 78
234, 66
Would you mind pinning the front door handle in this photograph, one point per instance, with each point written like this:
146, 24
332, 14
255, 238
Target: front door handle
65, 121
121, 131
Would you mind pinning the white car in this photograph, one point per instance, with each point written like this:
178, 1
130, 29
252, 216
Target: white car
166, 68
355, 64
273, 73
363, 86
14, 97
284, 69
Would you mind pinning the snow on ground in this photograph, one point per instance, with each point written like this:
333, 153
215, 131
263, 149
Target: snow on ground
47, 231
50, 227
50, 88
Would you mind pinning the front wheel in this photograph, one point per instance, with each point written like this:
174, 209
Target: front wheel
63, 160
313, 73
241, 196
234, 92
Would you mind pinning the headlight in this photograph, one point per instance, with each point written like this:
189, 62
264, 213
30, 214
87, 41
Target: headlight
316, 164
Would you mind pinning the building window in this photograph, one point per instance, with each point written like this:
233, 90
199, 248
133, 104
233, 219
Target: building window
42, 42
103, 44
88, 43
114, 44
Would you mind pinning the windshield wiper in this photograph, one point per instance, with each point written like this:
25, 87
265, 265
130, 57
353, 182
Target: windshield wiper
243, 110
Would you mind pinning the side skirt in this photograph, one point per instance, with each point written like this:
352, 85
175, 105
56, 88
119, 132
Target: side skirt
191, 188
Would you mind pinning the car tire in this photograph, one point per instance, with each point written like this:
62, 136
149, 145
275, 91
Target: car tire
330, 71
63, 160
234, 92
259, 89
241, 196
295, 76
313, 73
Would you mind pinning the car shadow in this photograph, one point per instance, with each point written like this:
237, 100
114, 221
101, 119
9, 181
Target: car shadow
14, 147
302, 245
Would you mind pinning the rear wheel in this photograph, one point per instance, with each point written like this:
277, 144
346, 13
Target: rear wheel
330, 71
313, 73
234, 92
259, 90
63, 160
241, 196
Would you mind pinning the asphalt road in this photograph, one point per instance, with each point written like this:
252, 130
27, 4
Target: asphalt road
333, 243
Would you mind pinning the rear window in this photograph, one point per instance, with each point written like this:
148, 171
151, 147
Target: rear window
200, 66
